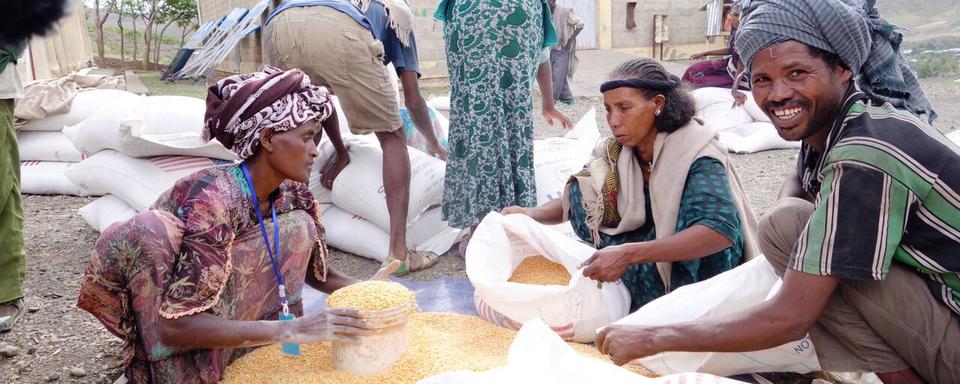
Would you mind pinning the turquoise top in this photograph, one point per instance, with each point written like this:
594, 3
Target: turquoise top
549, 32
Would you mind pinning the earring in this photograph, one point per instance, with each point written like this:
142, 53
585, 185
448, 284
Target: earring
657, 113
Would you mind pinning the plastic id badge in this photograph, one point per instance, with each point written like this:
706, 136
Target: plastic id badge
289, 349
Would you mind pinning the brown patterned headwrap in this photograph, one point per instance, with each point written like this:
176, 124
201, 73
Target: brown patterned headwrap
240, 107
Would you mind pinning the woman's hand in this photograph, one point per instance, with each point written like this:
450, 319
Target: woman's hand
336, 324
552, 114
537, 214
332, 169
608, 264
697, 56
516, 209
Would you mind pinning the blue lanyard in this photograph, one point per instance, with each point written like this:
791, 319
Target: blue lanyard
275, 252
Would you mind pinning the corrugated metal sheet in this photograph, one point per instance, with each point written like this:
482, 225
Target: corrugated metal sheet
714, 17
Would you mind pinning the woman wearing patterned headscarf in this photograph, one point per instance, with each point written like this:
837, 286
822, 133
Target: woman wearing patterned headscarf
660, 199
225, 253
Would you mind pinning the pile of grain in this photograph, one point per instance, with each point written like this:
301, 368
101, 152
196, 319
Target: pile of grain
371, 296
439, 342
539, 270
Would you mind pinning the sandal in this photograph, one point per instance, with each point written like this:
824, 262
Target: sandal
416, 261
7, 322
424, 260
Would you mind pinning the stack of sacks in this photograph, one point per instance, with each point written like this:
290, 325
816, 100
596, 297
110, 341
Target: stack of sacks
355, 210
743, 129
440, 103
46, 153
134, 148
556, 159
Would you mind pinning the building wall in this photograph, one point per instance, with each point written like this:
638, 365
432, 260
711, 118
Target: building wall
687, 28
430, 46
250, 50
248, 56
63, 50
686, 21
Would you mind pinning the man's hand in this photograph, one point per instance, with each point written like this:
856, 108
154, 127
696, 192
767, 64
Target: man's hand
697, 56
608, 264
625, 343
551, 115
437, 151
336, 324
332, 169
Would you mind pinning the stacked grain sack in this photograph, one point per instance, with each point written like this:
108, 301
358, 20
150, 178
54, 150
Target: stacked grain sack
556, 159
355, 209
743, 129
127, 148
46, 152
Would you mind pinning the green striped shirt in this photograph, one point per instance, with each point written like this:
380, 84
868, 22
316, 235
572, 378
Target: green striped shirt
887, 189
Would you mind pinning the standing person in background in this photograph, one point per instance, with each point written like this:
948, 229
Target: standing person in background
494, 51
563, 57
28, 17
347, 45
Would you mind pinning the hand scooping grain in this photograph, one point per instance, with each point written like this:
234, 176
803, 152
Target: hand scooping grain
383, 305
336, 324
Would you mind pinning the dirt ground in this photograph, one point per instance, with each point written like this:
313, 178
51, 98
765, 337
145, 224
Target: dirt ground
56, 342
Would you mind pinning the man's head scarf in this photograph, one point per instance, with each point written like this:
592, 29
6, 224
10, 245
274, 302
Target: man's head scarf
240, 107
866, 43
736, 8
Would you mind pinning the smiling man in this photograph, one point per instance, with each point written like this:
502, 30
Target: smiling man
867, 235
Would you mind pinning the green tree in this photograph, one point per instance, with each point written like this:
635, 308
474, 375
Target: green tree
181, 12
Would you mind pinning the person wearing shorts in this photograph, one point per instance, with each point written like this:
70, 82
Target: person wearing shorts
346, 46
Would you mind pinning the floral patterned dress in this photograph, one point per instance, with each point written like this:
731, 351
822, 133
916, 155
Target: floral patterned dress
199, 250
493, 50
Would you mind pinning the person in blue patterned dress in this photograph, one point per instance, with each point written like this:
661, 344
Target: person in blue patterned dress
494, 51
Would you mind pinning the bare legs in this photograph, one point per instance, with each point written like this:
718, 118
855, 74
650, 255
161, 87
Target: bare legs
396, 185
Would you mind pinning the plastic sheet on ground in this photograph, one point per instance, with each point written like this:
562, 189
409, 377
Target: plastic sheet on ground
446, 294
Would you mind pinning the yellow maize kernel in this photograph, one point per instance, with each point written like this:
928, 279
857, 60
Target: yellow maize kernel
371, 296
539, 270
439, 342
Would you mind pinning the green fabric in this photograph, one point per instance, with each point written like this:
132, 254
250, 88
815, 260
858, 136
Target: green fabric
706, 201
13, 264
493, 50
549, 31
6, 57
